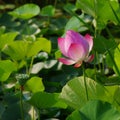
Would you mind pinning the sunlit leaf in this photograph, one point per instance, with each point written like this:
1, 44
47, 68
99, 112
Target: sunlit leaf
26, 11
45, 43
74, 92
41, 44
35, 84
95, 110
58, 54
75, 24
104, 7
117, 59
112, 59
87, 6
7, 38
48, 10
100, 10
17, 50
6, 68
46, 100
112, 92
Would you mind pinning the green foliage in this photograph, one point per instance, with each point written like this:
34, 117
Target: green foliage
77, 98
113, 59
48, 11
46, 100
74, 92
2, 30
6, 68
58, 54
71, 24
100, 10
32, 78
7, 38
87, 6
35, 84
105, 43
116, 58
14, 108
70, 6
44, 44
26, 11
19, 50
96, 113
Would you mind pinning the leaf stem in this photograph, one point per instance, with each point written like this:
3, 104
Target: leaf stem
31, 63
55, 3
85, 83
81, 20
112, 59
33, 113
21, 102
38, 114
114, 12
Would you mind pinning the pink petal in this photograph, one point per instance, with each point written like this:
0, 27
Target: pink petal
66, 61
72, 36
78, 52
78, 64
64, 45
61, 42
90, 41
75, 37
90, 58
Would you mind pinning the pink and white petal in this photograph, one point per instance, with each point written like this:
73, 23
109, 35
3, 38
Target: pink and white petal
64, 45
78, 52
90, 58
72, 36
61, 44
90, 41
78, 64
66, 61
75, 37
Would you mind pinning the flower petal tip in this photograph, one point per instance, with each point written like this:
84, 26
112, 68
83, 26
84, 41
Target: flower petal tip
89, 39
66, 61
78, 64
90, 58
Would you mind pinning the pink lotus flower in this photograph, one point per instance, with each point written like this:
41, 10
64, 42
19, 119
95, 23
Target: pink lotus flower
75, 48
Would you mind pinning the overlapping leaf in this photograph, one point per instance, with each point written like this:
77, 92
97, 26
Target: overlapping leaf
100, 10
26, 11
19, 50
46, 100
74, 92
6, 68
92, 111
